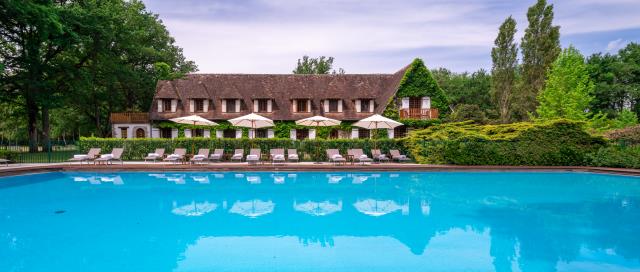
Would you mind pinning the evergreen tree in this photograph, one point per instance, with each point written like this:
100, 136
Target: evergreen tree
505, 61
568, 90
540, 47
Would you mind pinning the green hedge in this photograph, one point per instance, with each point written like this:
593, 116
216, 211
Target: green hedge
136, 149
616, 156
558, 142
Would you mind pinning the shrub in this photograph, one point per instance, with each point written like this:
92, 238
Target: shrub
630, 135
8, 154
136, 149
557, 142
616, 156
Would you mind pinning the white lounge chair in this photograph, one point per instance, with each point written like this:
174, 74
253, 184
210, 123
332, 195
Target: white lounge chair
358, 155
115, 155
238, 155
396, 156
333, 155
292, 155
277, 155
177, 156
254, 156
202, 156
91, 155
379, 156
157, 155
217, 155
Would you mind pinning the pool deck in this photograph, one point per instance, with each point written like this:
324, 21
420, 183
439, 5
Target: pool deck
17, 169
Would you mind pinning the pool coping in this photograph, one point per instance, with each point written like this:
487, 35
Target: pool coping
226, 167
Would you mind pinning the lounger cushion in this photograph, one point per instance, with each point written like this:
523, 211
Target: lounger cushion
199, 156
80, 157
237, 156
336, 156
252, 157
363, 157
215, 156
153, 155
106, 156
278, 157
173, 156
293, 157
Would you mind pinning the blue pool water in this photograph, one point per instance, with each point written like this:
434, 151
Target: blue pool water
319, 222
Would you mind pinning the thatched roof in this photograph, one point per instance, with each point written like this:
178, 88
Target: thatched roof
282, 89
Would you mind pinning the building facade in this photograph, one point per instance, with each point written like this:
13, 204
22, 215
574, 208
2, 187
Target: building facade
220, 97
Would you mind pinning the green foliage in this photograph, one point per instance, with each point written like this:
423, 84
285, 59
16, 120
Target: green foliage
418, 82
625, 136
136, 149
558, 142
8, 154
540, 47
568, 89
505, 62
616, 156
466, 112
466, 89
321, 65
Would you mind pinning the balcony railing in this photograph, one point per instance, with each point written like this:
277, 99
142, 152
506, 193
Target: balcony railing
129, 117
423, 114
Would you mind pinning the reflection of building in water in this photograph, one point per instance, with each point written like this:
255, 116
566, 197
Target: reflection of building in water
95, 180
253, 208
318, 208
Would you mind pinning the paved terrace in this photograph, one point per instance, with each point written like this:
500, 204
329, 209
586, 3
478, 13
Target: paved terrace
16, 169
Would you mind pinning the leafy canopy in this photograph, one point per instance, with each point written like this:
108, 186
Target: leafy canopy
568, 89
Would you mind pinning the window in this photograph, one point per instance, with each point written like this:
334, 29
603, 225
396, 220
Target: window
263, 105
229, 133
231, 105
124, 133
400, 132
334, 134
166, 105
302, 105
333, 105
302, 134
415, 102
198, 132
198, 105
165, 133
262, 133
365, 105
364, 133
140, 133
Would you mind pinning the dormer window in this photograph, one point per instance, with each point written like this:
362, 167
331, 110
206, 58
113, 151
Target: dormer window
333, 105
262, 105
198, 105
302, 105
167, 105
365, 105
231, 105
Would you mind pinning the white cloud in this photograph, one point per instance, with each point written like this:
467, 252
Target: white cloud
615, 45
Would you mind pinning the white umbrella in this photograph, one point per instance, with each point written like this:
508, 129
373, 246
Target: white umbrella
193, 120
318, 208
377, 121
253, 208
377, 207
251, 120
194, 209
318, 121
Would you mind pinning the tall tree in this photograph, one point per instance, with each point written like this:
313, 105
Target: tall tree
540, 47
320, 65
466, 91
568, 90
503, 73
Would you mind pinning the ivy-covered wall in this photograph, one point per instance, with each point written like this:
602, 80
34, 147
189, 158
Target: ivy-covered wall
418, 82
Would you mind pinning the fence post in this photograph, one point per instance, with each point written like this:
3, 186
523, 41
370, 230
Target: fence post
49, 150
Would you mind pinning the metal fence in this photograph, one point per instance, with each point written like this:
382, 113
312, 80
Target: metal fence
59, 152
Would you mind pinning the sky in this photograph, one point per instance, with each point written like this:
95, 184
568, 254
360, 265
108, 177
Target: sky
376, 36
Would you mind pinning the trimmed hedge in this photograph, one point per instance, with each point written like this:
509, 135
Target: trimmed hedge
558, 142
616, 156
137, 149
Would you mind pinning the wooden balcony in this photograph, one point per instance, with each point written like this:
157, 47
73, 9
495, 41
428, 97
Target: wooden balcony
422, 114
129, 118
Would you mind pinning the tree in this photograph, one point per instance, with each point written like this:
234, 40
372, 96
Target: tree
568, 89
540, 47
321, 65
503, 73
464, 90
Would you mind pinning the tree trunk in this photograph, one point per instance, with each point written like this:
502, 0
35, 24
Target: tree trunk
32, 123
46, 129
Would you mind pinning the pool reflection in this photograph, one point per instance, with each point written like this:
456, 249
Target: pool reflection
382, 221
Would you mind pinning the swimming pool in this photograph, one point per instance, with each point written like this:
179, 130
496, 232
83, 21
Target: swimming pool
319, 221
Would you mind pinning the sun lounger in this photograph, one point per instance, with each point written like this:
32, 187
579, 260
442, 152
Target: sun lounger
202, 156
5, 161
91, 155
254, 156
396, 156
238, 155
177, 156
277, 155
217, 155
115, 155
292, 155
157, 155
358, 155
379, 156
334, 156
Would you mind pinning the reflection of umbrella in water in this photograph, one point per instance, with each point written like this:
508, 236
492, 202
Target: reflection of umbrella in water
377, 207
278, 179
194, 209
254, 179
201, 179
318, 208
335, 179
253, 208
